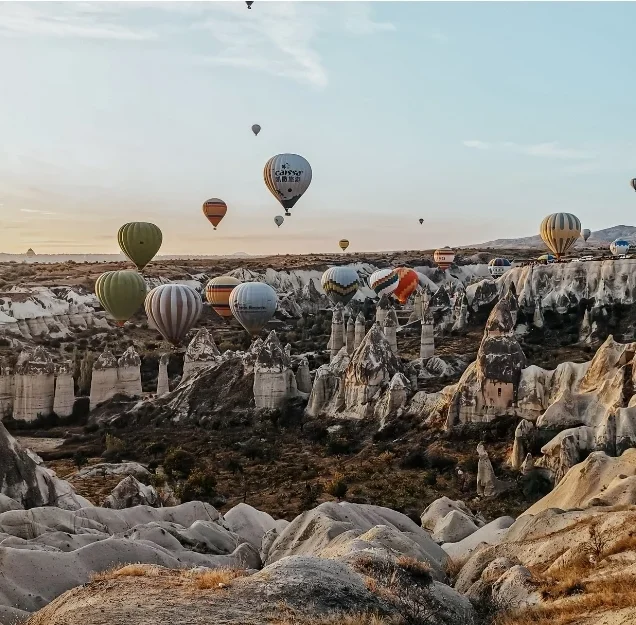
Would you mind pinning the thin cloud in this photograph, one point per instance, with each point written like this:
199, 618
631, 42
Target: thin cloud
37, 212
550, 150
360, 21
65, 20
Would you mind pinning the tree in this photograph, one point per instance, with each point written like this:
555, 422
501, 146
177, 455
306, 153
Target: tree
86, 373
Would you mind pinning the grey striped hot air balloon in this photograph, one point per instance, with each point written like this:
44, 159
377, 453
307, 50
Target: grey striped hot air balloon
173, 309
559, 232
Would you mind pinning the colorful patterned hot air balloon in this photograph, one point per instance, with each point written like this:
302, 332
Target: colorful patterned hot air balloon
587, 233
498, 266
253, 304
217, 292
546, 258
173, 309
121, 293
444, 257
408, 282
256, 129
340, 284
140, 241
214, 210
384, 281
287, 176
278, 220
619, 247
559, 232
343, 244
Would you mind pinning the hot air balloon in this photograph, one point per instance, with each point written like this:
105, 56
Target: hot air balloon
287, 176
444, 257
498, 266
343, 244
421, 221
140, 241
214, 209
173, 309
586, 234
384, 281
256, 129
249, 3
408, 282
546, 258
121, 293
619, 247
253, 304
633, 183
340, 284
278, 220
217, 292
559, 232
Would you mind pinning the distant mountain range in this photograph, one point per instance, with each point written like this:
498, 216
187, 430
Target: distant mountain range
599, 238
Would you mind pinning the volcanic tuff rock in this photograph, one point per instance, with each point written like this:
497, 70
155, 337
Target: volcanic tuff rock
111, 376
201, 352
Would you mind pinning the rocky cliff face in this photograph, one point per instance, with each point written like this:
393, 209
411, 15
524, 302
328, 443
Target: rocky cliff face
112, 376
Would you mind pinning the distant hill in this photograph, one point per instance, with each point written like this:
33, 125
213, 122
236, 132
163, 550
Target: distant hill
598, 238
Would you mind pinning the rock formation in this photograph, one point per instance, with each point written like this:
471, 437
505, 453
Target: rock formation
112, 376
34, 390
360, 331
7, 391
427, 340
64, 398
487, 483
201, 352
129, 373
390, 328
382, 309
337, 323
130, 492
303, 377
274, 380
163, 381
351, 333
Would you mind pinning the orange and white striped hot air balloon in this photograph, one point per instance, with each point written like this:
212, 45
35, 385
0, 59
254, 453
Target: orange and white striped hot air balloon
214, 209
408, 282
444, 257
217, 292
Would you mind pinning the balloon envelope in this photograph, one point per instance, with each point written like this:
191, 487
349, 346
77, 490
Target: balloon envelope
253, 304
408, 282
343, 244
249, 3
214, 210
421, 221
121, 293
619, 247
173, 309
384, 281
217, 292
140, 241
559, 232
256, 129
633, 183
444, 257
287, 176
586, 234
278, 220
340, 284
498, 266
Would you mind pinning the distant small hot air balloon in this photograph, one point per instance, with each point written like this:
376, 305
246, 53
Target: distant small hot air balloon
547, 258
253, 304
444, 257
173, 309
214, 210
408, 282
498, 266
340, 284
278, 220
633, 183
256, 129
586, 234
249, 3
140, 241
287, 176
121, 293
218, 291
559, 232
619, 247
421, 221
343, 244
384, 281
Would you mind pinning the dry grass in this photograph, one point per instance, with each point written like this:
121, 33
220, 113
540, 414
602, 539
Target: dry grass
129, 570
218, 578
363, 618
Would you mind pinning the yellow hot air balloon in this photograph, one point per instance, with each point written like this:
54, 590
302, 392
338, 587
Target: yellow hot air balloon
140, 241
559, 232
217, 292
121, 293
344, 244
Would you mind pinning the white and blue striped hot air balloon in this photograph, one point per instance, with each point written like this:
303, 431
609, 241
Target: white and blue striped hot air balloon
619, 247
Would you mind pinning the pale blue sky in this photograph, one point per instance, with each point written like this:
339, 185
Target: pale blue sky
478, 117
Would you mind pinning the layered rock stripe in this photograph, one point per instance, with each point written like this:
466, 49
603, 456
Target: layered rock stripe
173, 309
139, 241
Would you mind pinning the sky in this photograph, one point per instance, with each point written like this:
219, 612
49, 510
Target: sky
480, 118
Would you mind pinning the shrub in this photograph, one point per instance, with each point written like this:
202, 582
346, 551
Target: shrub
337, 487
440, 461
201, 485
179, 463
414, 459
80, 459
114, 444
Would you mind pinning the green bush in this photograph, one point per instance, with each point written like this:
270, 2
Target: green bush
179, 463
200, 486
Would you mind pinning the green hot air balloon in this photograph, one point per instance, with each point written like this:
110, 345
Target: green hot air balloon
121, 293
140, 241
